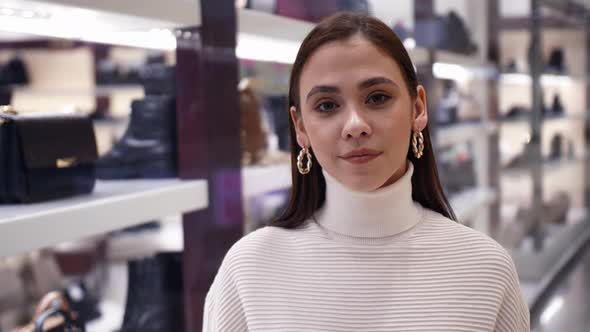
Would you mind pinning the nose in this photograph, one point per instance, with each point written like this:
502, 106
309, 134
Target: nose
356, 125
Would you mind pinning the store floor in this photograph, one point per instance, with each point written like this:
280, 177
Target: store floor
568, 306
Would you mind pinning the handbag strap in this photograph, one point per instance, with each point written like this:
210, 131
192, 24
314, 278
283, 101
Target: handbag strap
7, 113
69, 325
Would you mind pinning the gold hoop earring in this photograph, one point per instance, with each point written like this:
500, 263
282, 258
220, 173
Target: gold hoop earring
304, 153
418, 144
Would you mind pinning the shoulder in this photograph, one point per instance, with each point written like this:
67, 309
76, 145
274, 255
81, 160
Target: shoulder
257, 246
466, 243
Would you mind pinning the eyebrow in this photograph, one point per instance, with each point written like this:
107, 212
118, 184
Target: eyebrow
375, 81
322, 89
363, 85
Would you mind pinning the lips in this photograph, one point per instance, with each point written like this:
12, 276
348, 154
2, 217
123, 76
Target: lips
361, 156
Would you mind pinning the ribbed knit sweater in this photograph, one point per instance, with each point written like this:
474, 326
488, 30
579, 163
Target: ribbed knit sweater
373, 262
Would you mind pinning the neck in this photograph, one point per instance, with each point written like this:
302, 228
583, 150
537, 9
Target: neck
384, 212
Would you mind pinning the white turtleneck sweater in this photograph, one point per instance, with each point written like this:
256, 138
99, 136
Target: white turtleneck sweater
368, 262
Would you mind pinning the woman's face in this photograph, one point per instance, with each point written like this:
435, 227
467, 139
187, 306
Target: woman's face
357, 114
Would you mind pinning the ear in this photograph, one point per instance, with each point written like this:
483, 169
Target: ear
302, 138
419, 113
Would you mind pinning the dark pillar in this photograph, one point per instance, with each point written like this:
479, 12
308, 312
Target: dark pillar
209, 147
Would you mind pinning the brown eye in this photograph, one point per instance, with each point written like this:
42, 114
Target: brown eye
378, 99
326, 106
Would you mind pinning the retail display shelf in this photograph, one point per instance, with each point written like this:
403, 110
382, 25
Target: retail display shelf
546, 79
257, 180
113, 205
99, 90
551, 169
525, 120
261, 24
167, 237
259, 32
468, 202
462, 132
551, 262
124, 15
472, 61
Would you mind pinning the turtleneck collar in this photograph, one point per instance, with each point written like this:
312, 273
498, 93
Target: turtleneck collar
381, 213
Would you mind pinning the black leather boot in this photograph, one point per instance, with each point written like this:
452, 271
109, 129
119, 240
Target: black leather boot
556, 64
158, 79
148, 147
155, 296
557, 107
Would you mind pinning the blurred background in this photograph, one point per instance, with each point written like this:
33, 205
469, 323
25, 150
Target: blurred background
144, 138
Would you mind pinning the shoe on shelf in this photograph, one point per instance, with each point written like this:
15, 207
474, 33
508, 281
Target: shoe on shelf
512, 67
556, 63
447, 33
557, 108
148, 147
516, 112
158, 79
556, 150
447, 110
155, 294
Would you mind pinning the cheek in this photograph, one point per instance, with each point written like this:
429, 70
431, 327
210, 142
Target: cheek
322, 135
396, 127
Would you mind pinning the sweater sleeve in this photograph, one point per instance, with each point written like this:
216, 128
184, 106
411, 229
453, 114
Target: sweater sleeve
514, 314
223, 306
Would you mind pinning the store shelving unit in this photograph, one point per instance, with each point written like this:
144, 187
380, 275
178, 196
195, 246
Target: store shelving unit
471, 72
257, 180
467, 204
462, 132
550, 251
116, 205
113, 205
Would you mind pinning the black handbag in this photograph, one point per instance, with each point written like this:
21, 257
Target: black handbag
45, 156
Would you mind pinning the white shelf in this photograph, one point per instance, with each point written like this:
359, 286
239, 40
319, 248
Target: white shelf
266, 37
467, 203
546, 79
127, 15
261, 24
169, 237
99, 91
525, 121
473, 60
462, 132
113, 205
257, 180
135, 23
550, 168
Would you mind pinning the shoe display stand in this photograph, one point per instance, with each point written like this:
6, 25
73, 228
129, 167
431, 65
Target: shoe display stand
543, 54
470, 73
113, 205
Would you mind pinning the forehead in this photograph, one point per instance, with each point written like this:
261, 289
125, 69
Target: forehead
348, 62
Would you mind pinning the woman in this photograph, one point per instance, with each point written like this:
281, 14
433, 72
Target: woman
368, 241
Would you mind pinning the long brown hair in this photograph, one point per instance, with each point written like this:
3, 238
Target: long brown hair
308, 192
